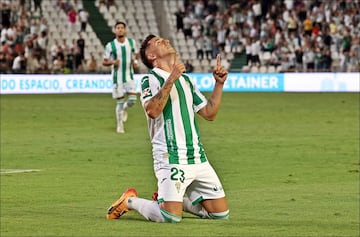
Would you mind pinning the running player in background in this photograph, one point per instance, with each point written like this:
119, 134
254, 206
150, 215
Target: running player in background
122, 54
186, 180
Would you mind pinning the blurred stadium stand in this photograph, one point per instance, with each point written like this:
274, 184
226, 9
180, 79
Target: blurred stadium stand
256, 25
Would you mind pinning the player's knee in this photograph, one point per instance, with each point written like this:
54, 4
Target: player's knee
131, 101
219, 215
170, 217
120, 101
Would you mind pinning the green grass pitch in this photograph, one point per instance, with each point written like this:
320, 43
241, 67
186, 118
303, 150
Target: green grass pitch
289, 163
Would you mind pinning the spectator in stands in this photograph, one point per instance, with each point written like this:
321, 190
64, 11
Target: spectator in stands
326, 37
78, 60
65, 47
72, 20
187, 26
234, 36
255, 52
298, 59
36, 64
236, 15
207, 23
326, 60
4, 66
291, 23
37, 5
248, 51
179, 19
188, 66
43, 25
346, 41
72, 46
335, 23
55, 49
221, 37
78, 4
275, 59
212, 6
70, 65
116, 51
22, 5
14, 17
102, 3
28, 45
92, 64
318, 58
196, 30
42, 43
200, 45
59, 64
83, 18
226, 63
199, 9
19, 64
316, 29
308, 26
309, 59
34, 27
5, 14
80, 42
109, 3
66, 6
208, 44
215, 47
286, 65
267, 44
256, 7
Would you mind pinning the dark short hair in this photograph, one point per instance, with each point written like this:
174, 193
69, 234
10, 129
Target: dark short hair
120, 22
143, 47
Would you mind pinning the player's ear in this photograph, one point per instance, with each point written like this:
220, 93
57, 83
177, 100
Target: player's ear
151, 56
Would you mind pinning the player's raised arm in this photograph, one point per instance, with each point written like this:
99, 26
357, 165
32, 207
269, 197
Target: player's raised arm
210, 111
155, 105
219, 72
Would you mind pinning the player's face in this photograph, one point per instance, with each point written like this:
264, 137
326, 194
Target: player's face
160, 47
120, 30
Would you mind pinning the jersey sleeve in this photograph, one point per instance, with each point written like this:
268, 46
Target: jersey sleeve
200, 100
107, 51
149, 88
136, 49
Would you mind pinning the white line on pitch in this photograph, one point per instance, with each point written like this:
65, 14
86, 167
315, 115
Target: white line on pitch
13, 171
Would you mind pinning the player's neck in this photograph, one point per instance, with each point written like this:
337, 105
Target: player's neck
121, 39
166, 63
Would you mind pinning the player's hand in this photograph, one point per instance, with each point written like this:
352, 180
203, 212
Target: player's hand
135, 64
116, 62
177, 70
219, 72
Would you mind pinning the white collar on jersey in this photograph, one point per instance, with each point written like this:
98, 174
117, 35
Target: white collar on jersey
162, 73
117, 42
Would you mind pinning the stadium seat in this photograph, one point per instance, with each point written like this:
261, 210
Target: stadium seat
230, 56
254, 69
245, 68
266, 56
271, 69
213, 63
263, 69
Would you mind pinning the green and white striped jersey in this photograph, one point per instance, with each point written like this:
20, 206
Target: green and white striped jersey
174, 134
124, 52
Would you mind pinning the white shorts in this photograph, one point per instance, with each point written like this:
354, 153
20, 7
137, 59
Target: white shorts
121, 88
197, 181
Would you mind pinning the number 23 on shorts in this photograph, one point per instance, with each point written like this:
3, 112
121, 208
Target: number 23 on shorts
177, 175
